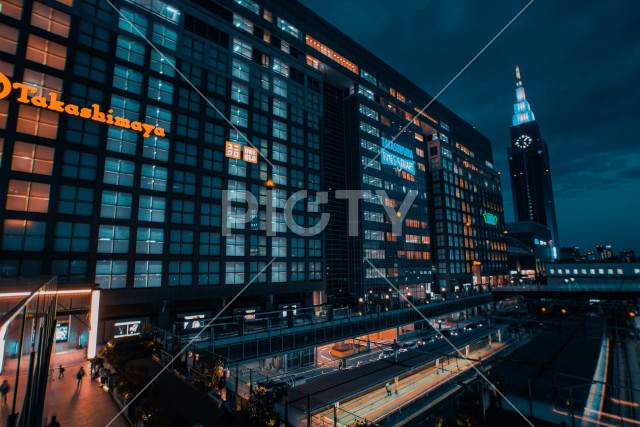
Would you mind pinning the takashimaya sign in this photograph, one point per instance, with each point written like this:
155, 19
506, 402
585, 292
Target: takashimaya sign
51, 102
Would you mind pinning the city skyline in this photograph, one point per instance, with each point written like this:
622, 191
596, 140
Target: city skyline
565, 86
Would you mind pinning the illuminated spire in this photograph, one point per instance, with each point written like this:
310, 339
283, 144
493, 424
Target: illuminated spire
521, 109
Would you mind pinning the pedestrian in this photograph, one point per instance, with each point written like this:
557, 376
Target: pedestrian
102, 374
54, 422
388, 387
79, 376
60, 371
4, 390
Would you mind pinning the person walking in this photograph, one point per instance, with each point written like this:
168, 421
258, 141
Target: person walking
79, 376
60, 371
388, 387
54, 422
4, 390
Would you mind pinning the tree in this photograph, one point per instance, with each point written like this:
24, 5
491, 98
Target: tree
130, 381
262, 405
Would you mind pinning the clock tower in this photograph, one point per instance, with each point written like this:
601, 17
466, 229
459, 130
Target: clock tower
529, 167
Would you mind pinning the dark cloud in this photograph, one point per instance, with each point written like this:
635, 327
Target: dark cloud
579, 63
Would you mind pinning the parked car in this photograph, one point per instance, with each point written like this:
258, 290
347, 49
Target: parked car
385, 354
407, 346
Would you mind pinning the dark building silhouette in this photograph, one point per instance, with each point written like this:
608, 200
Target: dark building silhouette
530, 169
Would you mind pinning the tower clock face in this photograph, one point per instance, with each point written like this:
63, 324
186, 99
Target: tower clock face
523, 141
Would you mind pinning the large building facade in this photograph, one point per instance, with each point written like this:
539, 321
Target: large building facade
529, 168
130, 131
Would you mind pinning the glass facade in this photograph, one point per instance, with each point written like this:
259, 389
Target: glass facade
100, 199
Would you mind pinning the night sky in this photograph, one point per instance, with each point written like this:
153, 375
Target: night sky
579, 63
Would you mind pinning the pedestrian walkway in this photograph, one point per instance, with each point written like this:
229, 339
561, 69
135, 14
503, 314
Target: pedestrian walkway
88, 406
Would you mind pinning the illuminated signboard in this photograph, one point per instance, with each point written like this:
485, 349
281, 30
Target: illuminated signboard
52, 103
390, 159
125, 329
233, 150
62, 332
489, 218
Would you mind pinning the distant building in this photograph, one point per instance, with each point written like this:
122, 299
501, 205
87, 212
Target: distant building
522, 262
628, 256
538, 238
529, 168
570, 254
605, 253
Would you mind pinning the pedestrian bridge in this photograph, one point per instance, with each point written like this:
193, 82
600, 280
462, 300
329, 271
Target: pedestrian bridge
609, 291
239, 339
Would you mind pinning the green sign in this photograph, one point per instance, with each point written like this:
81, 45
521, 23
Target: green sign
489, 218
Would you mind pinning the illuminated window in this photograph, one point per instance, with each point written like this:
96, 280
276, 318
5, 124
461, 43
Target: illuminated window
279, 87
130, 50
20, 235
280, 67
368, 112
331, 54
279, 130
240, 70
134, 23
32, 158
234, 273
243, 23
12, 8
38, 122
46, 52
242, 48
284, 46
8, 39
116, 205
50, 19
118, 171
127, 79
313, 62
163, 64
149, 240
250, 4
239, 116
279, 108
111, 274
288, 28
153, 177
278, 272
148, 274
239, 93
366, 127
26, 196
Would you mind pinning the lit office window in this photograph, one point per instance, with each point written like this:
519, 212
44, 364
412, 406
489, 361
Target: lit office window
163, 64
278, 223
366, 127
44, 83
280, 67
111, 274
164, 36
147, 274
50, 19
118, 172
127, 79
239, 116
122, 140
239, 93
149, 240
235, 245
279, 175
152, 208
12, 8
280, 87
125, 107
181, 242
156, 148
242, 23
368, 112
234, 273
132, 22
331, 54
288, 28
180, 273
37, 122
366, 93
130, 50
46, 52
368, 77
240, 70
116, 205
72, 237
159, 117
250, 4
280, 108
153, 177
209, 273
26, 196
242, 48
278, 247
8, 39
279, 130
278, 272
21, 235
32, 158
113, 239
297, 271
